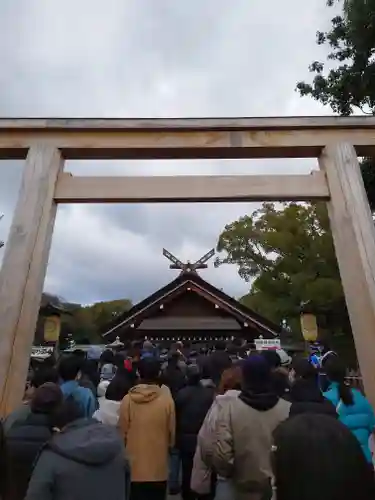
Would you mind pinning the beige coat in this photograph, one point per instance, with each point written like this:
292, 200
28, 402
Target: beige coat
243, 445
147, 423
202, 464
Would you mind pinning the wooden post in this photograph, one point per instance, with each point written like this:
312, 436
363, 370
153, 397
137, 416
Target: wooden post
23, 271
354, 237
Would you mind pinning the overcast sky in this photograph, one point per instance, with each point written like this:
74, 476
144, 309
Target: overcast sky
150, 58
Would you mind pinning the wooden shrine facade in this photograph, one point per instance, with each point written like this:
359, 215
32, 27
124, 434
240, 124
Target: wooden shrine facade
191, 310
46, 143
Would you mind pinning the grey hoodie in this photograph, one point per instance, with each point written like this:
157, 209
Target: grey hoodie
79, 463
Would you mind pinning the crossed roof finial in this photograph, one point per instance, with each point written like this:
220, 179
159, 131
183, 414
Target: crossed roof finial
188, 266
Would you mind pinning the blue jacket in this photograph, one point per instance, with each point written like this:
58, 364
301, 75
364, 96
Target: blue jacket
83, 397
147, 355
359, 417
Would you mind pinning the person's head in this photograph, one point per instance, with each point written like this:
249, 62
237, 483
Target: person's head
231, 378
206, 369
193, 374
315, 456
118, 360
303, 369
118, 389
127, 371
68, 412
107, 357
232, 350
46, 399
147, 346
79, 353
179, 345
284, 357
328, 354
256, 374
70, 368
44, 375
173, 358
336, 372
272, 358
220, 345
90, 369
149, 370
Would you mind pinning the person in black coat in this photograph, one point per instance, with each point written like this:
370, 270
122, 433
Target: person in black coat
24, 440
192, 405
279, 374
219, 361
305, 394
172, 376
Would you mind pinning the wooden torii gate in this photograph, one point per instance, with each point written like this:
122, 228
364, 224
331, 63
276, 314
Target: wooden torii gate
46, 143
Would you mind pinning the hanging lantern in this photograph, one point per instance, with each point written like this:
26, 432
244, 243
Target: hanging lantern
52, 327
309, 325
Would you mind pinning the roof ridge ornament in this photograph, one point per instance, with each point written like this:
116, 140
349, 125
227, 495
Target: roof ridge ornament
188, 267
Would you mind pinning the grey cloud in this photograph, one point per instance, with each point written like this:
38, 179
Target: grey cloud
149, 58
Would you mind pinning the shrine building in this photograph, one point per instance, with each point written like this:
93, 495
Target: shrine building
192, 310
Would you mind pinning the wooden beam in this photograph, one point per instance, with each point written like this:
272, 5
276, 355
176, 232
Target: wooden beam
71, 189
144, 124
23, 270
354, 237
191, 138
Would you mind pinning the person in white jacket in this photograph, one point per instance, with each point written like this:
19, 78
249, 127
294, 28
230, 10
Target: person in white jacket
110, 396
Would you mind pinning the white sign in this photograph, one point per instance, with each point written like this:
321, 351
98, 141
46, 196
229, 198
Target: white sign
267, 344
41, 352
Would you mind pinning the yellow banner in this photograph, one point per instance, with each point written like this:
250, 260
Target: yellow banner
309, 327
52, 326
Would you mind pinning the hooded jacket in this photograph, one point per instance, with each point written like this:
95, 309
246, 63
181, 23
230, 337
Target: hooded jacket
108, 412
306, 397
147, 424
201, 476
81, 395
244, 430
358, 417
23, 443
79, 463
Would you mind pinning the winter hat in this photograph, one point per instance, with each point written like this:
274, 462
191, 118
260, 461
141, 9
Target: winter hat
256, 373
147, 345
102, 388
272, 358
107, 372
284, 357
46, 398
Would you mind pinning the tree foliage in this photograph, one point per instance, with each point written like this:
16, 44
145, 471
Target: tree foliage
86, 322
288, 253
349, 83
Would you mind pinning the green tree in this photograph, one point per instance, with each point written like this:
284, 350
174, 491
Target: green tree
288, 254
88, 322
349, 83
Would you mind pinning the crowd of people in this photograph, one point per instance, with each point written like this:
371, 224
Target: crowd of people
216, 424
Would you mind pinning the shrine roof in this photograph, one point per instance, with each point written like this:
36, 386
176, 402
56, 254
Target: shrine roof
190, 282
